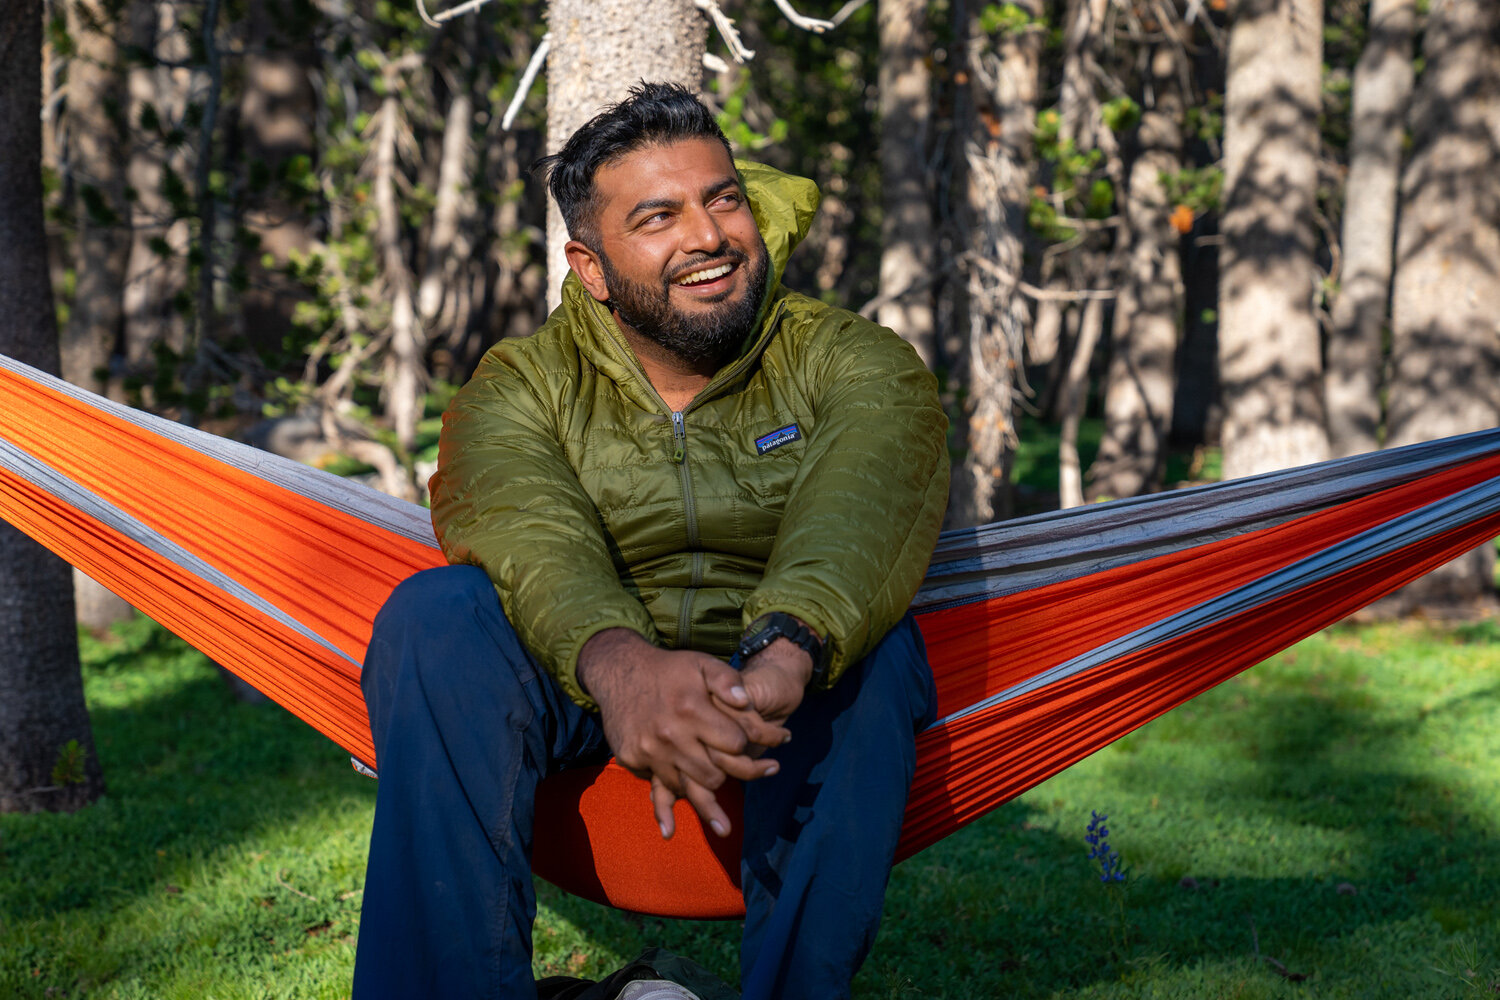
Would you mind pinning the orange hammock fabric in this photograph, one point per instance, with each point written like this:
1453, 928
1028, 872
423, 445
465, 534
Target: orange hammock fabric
1050, 637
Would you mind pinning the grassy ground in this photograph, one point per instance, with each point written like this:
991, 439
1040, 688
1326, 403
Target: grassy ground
1327, 825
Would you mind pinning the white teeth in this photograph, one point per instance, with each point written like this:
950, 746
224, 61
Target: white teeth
708, 275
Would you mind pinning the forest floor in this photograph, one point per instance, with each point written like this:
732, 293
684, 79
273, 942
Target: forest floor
1325, 825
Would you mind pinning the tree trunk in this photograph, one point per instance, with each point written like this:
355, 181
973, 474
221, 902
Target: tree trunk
908, 256
96, 129
1071, 398
600, 48
1138, 400
96, 132
47, 758
405, 376
453, 177
1269, 352
1090, 264
274, 119
1446, 327
1002, 84
157, 276
1382, 92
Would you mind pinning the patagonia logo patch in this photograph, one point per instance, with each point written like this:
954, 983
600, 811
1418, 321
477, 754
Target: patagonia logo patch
777, 438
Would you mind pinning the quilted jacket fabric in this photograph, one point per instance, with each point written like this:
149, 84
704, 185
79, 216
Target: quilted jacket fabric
809, 477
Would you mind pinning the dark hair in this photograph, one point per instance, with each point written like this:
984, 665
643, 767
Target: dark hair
654, 114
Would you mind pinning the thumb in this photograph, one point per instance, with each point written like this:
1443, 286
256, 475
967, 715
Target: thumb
725, 683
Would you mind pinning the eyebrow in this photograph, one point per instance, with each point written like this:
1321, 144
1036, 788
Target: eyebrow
709, 192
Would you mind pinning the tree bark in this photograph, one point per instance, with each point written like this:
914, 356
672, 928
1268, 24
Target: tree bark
41, 692
600, 48
101, 252
1269, 352
274, 120
1446, 327
908, 256
96, 133
1382, 93
1090, 264
1071, 398
405, 376
1002, 81
453, 175
1141, 383
155, 281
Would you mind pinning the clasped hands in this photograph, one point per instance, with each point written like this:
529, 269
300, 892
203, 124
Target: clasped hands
686, 720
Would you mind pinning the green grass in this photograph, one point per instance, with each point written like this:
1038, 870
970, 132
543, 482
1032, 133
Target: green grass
1335, 810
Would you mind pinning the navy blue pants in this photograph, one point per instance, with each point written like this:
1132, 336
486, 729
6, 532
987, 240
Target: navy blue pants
466, 724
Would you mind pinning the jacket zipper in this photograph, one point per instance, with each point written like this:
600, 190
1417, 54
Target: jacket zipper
690, 515
679, 456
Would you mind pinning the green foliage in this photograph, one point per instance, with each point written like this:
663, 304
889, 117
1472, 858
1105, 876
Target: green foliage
69, 768
58, 36
1006, 19
1205, 121
1078, 186
1198, 188
742, 135
1120, 114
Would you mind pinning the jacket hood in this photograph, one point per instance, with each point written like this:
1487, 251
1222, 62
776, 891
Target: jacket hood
784, 207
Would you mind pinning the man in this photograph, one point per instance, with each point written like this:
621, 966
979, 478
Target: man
686, 464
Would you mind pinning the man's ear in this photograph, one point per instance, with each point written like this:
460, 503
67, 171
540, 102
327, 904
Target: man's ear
585, 264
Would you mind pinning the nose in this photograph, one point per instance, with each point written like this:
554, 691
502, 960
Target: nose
701, 232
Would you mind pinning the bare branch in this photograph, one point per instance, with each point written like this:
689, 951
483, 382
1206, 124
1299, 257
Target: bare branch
727, 31
847, 11
816, 25
448, 15
527, 79
714, 64
1032, 291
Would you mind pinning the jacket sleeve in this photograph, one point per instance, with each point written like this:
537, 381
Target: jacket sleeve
506, 499
867, 504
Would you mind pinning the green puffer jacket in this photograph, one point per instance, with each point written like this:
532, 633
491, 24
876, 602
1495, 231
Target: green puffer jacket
809, 477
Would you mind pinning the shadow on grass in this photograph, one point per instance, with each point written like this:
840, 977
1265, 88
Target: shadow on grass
1339, 834
1344, 827
116, 891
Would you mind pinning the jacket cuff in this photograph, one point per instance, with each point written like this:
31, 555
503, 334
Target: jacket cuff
835, 648
565, 670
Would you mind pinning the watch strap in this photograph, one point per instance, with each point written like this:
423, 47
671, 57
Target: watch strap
779, 625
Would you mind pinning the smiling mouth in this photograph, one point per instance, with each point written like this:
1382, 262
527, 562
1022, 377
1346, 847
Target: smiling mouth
704, 276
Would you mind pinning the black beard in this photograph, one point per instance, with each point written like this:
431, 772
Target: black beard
712, 336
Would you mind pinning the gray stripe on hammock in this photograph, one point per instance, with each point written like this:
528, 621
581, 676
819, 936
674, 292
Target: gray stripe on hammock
397, 516
1014, 556
1464, 507
48, 480
969, 564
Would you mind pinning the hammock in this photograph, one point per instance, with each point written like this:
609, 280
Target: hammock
1050, 636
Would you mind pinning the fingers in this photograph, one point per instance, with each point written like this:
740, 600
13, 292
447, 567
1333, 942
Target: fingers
708, 807
724, 683
756, 729
702, 800
744, 768
662, 800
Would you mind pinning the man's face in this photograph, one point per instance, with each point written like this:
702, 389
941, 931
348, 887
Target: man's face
681, 261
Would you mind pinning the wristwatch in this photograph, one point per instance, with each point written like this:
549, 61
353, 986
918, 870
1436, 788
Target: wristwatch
779, 625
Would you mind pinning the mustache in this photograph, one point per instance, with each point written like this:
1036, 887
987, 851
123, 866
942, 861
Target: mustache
721, 253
